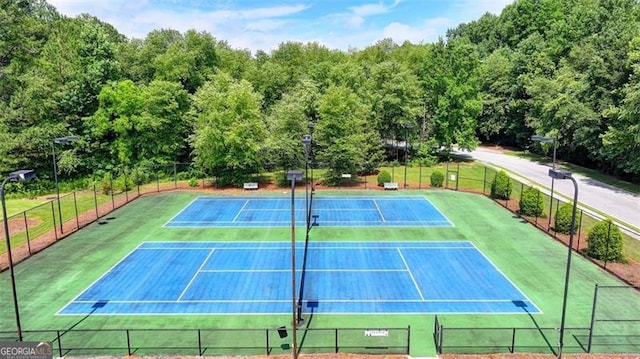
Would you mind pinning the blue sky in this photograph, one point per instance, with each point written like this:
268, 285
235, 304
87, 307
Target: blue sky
263, 24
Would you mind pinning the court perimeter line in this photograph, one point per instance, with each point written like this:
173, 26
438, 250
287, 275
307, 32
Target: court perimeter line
507, 278
240, 211
410, 274
289, 300
196, 274
379, 211
100, 278
182, 210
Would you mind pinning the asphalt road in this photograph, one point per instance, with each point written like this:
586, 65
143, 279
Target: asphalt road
622, 206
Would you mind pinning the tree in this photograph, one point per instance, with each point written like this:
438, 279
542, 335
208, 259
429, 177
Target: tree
136, 124
229, 131
344, 141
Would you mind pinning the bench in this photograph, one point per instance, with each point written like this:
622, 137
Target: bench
250, 185
390, 185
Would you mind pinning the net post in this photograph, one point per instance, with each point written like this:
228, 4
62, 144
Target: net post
593, 318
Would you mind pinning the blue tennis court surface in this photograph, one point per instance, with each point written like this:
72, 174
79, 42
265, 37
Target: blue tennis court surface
340, 277
326, 211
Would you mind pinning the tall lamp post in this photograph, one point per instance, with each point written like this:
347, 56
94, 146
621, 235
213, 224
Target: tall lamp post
293, 176
407, 127
17, 176
560, 175
311, 126
59, 141
543, 139
306, 141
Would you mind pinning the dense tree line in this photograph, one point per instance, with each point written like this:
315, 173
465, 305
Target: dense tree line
569, 69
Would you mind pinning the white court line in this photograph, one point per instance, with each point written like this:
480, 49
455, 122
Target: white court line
507, 278
379, 211
102, 276
240, 211
233, 301
410, 274
182, 210
195, 275
289, 270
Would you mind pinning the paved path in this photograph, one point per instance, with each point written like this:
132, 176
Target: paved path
622, 206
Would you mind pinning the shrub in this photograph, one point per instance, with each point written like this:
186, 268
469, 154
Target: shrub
106, 183
605, 242
437, 179
563, 218
193, 182
531, 203
501, 186
281, 179
383, 176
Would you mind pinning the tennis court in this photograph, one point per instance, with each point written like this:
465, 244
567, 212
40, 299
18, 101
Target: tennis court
339, 277
326, 211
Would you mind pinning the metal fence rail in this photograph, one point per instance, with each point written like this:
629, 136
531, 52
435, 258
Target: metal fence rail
183, 341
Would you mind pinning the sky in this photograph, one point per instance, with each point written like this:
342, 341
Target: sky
264, 24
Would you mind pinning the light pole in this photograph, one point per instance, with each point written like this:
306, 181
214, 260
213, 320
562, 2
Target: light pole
306, 141
407, 127
17, 176
560, 174
311, 126
543, 139
293, 176
59, 141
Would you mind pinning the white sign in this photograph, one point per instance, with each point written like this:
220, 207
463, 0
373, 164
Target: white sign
376, 333
346, 175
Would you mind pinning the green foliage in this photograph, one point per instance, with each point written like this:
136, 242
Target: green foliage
281, 179
193, 182
501, 186
106, 184
531, 203
229, 131
383, 177
563, 218
437, 179
605, 242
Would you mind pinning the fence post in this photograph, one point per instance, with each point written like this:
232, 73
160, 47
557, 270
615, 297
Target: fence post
59, 343
157, 182
537, 201
606, 252
484, 180
268, 346
95, 200
26, 228
75, 206
513, 341
138, 180
458, 176
128, 343
113, 203
408, 339
420, 176
175, 176
126, 187
593, 318
199, 343
446, 176
336, 339
53, 215
579, 228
